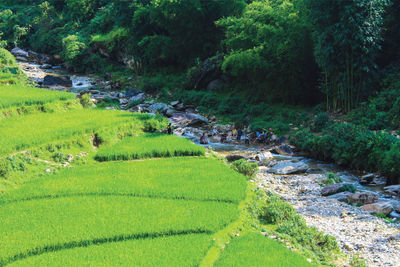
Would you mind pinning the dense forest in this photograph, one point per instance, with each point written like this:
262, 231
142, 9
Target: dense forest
239, 58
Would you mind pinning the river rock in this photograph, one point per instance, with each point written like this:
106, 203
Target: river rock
132, 92
333, 188
282, 150
363, 198
138, 98
288, 167
264, 156
51, 80
395, 214
393, 190
366, 179
20, 54
188, 119
174, 103
232, 158
342, 196
379, 207
158, 107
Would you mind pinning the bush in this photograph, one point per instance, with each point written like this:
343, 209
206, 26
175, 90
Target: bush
86, 101
155, 124
320, 122
244, 167
4, 167
278, 211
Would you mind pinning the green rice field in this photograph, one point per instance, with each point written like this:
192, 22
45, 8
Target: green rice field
254, 249
19, 133
130, 199
19, 95
150, 146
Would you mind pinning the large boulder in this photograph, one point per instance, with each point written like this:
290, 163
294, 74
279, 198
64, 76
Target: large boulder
288, 167
232, 158
282, 150
51, 80
363, 198
342, 196
20, 54
138, 98
393, 190
158, 107
379, 207
335, 188
366, 179
264, 156
179, 118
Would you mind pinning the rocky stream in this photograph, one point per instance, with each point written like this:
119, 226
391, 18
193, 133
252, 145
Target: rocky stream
299, 180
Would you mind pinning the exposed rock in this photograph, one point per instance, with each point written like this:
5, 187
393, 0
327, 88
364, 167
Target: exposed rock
366, 179
393, 189
180, 107
158, 107
379, 207
395, 214
264, 156
138, 98
51, 80
174, 103
132, 92
20, 54
123, 101
188, 119
333, 189
283, 150
232, 158
363, 197
342, 196
46, 66
288, 167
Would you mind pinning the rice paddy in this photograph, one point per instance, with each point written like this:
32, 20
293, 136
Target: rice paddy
254, 249
19, 95
150, 146
19, 133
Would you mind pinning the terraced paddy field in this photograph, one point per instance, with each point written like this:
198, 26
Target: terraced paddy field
150, 146
19, 95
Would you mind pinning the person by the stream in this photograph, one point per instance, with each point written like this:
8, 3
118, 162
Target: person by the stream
169, 130
239, 134
203, 139
234, 133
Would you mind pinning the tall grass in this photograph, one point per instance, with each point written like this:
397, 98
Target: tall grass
254, 249
38, 226
186, 178
20, 133
172, 251
150, 146
19, 95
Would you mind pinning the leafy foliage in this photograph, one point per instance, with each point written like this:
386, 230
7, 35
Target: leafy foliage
245, 168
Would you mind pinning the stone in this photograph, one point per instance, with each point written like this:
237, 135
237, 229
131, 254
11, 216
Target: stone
288, 167
158, 107
214, 85
180, 107
282, 150
395, 214
392, 190
21, 54
232, 158
379, 207
342, 196
123, 101
51, 80
264, 156
174, 103
333, 189
132, 92
188, 119
138, 98
46, 66
366, 179
363, 198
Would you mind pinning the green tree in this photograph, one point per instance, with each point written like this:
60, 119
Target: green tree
347, 36
269, 50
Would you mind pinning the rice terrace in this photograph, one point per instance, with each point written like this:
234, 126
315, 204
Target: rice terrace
200, 133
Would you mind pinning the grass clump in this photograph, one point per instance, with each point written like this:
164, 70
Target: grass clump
254, 249
44, 225
181, 250
178, 178
291, 226
150, 146
244, 167
19, 95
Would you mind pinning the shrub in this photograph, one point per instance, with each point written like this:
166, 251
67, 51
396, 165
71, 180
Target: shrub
155, 124
278, 211
86, 101
320, 122
4, 167
245, 167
